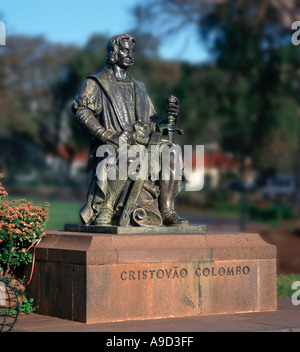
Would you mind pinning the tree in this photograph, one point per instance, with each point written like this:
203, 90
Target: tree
29, 70
250, 42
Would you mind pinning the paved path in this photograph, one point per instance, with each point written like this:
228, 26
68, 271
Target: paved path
285, 319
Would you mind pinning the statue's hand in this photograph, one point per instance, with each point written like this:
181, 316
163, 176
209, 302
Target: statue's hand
173, 108
106, 136
124, 137
130, 136
141, 139
140, 133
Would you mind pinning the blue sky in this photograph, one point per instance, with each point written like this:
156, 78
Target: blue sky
74, 21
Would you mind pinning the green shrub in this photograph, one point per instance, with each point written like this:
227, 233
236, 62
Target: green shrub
21, 226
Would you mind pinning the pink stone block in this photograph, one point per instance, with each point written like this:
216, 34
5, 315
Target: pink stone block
93, 277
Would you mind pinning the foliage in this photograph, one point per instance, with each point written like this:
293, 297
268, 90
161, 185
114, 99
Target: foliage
271, 213
30, 116
245, 99
26, 304
284, 284
255, 104
21, 224
29, 68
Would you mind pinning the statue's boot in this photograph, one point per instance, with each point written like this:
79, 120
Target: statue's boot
169, 190
171, 218
105, 217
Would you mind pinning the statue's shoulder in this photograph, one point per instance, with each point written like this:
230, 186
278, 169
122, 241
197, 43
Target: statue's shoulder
102, 76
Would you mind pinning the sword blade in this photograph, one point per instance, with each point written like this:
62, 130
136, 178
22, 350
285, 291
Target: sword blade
171, 136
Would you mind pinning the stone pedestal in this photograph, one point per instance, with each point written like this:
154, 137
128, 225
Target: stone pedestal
91, 277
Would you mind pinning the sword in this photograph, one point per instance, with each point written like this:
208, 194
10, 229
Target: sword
171, 126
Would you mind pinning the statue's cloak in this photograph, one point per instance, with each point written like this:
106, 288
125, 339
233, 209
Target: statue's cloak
100, 104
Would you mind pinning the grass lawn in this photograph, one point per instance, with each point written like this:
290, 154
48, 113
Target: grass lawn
61, 213
284, 284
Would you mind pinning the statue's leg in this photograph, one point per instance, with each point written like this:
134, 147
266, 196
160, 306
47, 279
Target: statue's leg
169, 189
114, 190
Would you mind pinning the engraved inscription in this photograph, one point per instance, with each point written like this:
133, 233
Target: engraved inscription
223, 271
180, 273
173, 273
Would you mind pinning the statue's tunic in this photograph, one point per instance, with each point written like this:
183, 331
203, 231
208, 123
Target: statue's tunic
106, 105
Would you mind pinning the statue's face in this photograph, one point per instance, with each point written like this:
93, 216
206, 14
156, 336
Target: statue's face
126, 54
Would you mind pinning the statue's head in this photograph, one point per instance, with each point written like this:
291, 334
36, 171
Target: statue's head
120, 50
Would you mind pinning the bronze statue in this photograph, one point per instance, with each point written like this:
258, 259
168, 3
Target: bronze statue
115, 109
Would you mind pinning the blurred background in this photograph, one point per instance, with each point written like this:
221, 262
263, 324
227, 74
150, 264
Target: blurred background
231, 64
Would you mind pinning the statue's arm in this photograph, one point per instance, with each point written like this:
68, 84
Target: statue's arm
86, 106
157, 122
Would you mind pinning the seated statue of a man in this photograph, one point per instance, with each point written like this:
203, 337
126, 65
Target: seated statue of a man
114, 108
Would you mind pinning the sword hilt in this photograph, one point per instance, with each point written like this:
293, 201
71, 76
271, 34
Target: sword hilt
171, 125
172, 101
